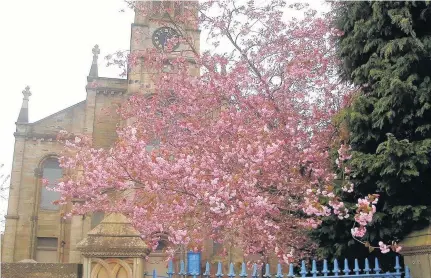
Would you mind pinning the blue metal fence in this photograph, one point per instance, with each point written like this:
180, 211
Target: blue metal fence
326, 271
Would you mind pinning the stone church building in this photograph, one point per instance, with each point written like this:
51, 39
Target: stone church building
106, 245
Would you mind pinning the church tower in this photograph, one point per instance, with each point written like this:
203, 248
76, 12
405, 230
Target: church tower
154, 26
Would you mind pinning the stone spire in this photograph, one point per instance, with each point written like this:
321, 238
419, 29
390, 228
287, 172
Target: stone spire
23, 114
94, 71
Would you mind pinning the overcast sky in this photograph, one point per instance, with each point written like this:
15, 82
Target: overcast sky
46, 44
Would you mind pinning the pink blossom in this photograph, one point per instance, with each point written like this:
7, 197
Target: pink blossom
383, 247
359, 232
234, 154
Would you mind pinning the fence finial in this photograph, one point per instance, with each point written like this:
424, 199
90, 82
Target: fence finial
407, 272
367, 268
377, 269
207, 270
243, 271
170, 269
254, 273
182, 269
356, 269
291, 274
231, 273
336, 270
219, 271
314, 268
325, 270
346, 269
267, 273
303, 269
397, 265
279, 272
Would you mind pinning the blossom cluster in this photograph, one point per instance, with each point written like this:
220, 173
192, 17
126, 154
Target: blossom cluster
364, 213
343, 157
365, 207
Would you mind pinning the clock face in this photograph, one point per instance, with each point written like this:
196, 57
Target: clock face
162, 35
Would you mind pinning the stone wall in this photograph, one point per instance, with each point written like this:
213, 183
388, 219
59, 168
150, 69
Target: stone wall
25, 221
40, 270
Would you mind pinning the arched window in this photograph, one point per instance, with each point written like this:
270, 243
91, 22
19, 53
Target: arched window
52, 172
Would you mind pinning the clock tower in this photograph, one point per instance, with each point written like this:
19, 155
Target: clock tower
154, 25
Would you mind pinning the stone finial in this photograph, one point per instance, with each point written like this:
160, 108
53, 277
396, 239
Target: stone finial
26, 93
94, 71
23, 113
96, 52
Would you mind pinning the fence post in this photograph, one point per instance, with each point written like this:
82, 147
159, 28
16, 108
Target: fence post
254, 273
356, 269
182, 270
377, 269
279, 272
207, 272
407, 272
314, 269
303, 269
231, 273
367, 268
291, 274
170, 269
346, 269
336, 270
325, 270
397, 266
267, 273
243, 273
219, 273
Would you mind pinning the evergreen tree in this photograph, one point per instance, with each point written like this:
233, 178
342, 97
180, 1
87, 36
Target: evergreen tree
386, 52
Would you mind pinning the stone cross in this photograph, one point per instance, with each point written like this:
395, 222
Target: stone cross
26, 93
23, 113
96, 52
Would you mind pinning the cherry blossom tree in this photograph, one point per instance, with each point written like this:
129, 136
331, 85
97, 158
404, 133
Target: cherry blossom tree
238, 153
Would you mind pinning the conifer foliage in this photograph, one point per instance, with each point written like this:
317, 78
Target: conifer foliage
385, 51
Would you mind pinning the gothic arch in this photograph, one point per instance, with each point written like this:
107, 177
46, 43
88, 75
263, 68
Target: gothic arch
45, 158
100, 264
111, 271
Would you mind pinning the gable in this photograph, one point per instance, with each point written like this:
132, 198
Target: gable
70, 119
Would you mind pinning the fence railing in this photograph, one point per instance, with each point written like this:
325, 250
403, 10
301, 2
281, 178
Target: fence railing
326, 271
